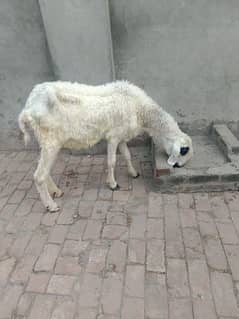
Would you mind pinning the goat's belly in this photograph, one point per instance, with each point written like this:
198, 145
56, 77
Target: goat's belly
79, 144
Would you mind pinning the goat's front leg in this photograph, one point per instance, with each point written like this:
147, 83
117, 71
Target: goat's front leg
124, 150
48, 155
111, 157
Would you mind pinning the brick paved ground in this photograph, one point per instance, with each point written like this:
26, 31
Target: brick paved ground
132, 254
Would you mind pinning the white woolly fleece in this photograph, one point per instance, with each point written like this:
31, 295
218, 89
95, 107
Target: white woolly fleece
78, 116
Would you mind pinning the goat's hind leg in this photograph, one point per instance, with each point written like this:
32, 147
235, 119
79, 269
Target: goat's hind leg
48, 156
53, 189
111, 157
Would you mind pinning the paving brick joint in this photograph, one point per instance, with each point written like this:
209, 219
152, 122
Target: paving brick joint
131, 254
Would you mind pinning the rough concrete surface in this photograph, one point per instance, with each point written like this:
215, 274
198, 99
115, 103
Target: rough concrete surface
184, 53
79, 39
24, 61
129, 254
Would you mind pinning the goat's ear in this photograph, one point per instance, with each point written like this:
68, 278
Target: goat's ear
184, 150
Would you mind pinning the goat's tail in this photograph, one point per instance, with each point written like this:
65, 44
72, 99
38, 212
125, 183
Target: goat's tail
23, 121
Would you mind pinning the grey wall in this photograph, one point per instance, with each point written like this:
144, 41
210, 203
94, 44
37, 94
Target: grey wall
79, 39
78, 34
184, 53
24, 61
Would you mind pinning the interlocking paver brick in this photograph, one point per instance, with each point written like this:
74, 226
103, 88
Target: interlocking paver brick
155, 205
100, 209
58, 234
5, 243
112, 293
192, 242
155, 255
116, 218
202, 202
232, 199
223, 293
156, 299
64, 309
31, 222
77, 229
42, 307
20, 243
73, 247
9, 300
114, 231
86, 313
17, 197
232, 252
180, 308
68, 266
199, 279
173, 235
227, 233
185, 200
24, 304
37, 242
49, 219
23, 269
90, 291
177, 278
38, 282
47, 258
93, 229
138, 226
134, 281
6, 267
133, 308
25, 207
136, 251
117, 256
8, 211
90, 194
97, 260
188, 217
86, 208
155, 228
212, 245
61, 285
204, 309
219, 208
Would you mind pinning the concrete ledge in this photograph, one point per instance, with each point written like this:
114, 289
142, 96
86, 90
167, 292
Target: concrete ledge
203, 173
225, 138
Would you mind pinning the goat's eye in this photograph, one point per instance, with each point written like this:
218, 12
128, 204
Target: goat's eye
184, 150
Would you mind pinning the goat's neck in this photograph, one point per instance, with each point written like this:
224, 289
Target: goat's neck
160, 124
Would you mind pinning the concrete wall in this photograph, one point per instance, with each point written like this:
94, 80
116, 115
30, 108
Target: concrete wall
24, 61
184, 53
78, 34
79, 39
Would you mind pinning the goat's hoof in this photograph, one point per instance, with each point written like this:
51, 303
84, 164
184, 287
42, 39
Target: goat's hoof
136, 176
58, 194
53, 208
117, 187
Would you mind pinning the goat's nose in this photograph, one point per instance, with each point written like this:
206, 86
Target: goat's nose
176, 165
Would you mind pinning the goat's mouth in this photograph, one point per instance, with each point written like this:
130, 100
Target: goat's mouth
177, 165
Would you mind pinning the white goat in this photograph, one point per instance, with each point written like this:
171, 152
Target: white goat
76, 116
